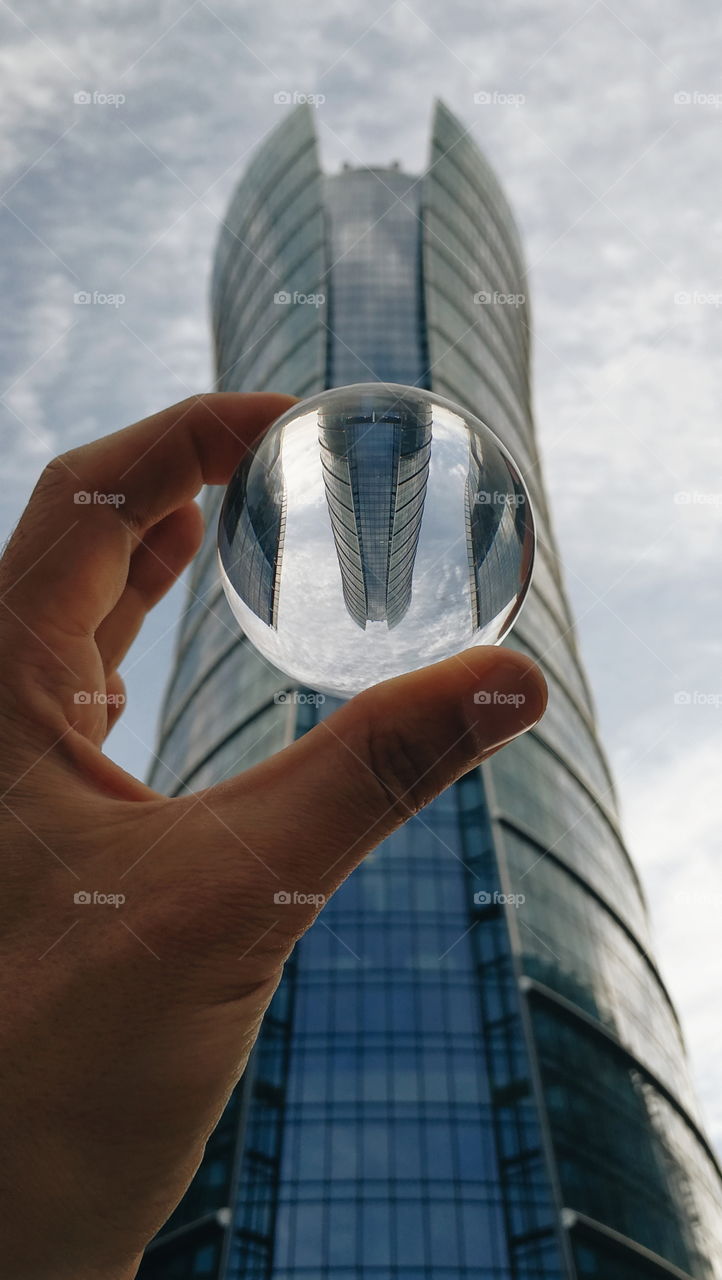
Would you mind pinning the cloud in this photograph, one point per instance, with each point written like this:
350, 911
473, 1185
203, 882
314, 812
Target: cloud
628, 383
673, 828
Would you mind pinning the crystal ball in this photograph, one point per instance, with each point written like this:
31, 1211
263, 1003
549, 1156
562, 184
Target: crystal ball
373, 529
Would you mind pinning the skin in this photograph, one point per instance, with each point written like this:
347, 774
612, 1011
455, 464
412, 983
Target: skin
125, 1029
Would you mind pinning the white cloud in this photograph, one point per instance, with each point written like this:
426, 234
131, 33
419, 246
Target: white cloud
672, 819
628, 385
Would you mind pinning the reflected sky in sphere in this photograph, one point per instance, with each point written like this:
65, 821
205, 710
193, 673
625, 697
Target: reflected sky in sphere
374, 529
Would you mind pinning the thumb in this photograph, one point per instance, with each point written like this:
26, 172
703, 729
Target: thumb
309, 814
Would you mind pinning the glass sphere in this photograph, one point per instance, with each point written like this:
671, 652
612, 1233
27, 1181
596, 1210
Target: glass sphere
374, 528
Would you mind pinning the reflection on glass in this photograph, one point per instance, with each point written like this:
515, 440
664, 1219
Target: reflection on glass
375, 469
254, 520
374, 529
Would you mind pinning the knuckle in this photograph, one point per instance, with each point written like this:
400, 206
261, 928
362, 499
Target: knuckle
59, 472
208, 917
51, 490
403, 765
198, 401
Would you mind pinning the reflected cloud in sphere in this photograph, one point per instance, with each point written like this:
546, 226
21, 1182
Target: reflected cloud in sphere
376, 528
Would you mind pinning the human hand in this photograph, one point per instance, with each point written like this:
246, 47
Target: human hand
125, 1030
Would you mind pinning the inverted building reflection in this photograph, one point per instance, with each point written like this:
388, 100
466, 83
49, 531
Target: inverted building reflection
375, 472
375, 467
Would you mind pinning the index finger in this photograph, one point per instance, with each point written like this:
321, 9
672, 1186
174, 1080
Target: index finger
67, 562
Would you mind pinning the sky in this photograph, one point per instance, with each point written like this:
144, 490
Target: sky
324, 645
124, 128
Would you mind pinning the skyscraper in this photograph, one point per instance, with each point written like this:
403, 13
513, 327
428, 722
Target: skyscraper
375, 473
472, 1066
256, 517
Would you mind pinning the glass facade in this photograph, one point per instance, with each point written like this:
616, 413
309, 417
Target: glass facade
253, 521
472, 1067
375, 472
